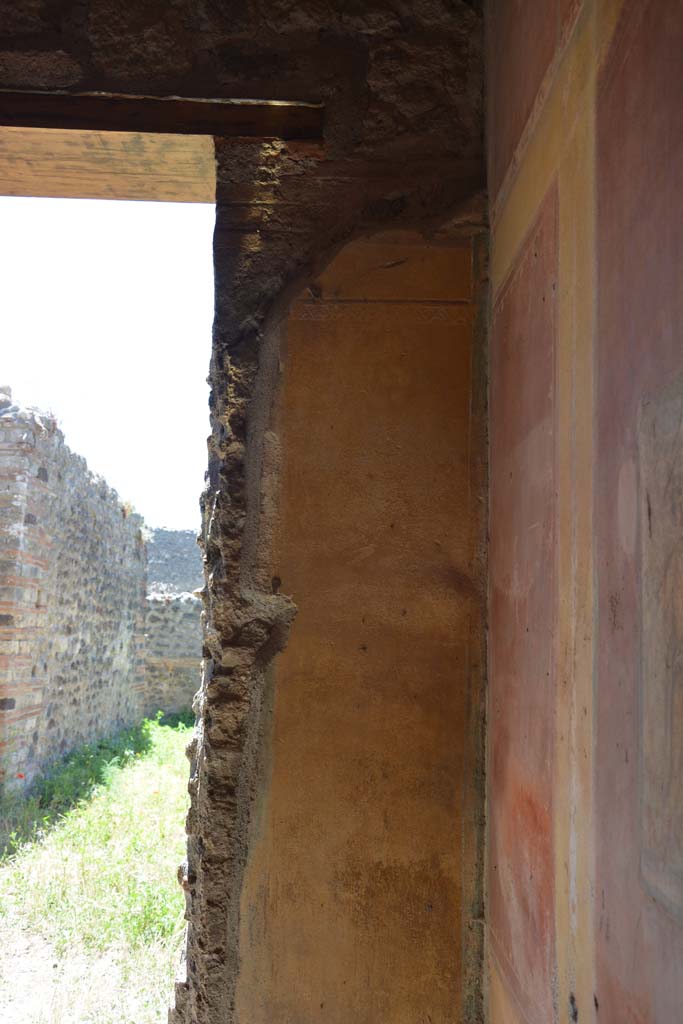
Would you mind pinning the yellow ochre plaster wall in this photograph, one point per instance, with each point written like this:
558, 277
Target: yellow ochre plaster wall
360, 899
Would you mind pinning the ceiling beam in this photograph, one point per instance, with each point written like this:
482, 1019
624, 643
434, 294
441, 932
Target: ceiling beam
172, 115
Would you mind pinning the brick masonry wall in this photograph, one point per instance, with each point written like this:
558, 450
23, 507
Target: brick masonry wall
84, 649
72, 586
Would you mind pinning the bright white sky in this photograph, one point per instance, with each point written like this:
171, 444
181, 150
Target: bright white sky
105, 320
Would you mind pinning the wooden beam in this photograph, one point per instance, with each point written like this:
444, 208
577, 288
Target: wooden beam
172, 115
107, 165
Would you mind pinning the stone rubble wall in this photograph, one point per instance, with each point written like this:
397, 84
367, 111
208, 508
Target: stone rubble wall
72, 589
173, 633
173, 643
174, 563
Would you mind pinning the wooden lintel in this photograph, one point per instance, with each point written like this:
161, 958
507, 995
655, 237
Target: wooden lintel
82, 164
172, 115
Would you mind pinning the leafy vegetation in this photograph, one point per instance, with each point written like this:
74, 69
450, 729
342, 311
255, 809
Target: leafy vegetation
89, 873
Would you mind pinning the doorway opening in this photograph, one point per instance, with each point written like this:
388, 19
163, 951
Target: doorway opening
106, 325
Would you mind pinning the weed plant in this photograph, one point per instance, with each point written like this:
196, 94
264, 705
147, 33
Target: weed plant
27, 816
89, 868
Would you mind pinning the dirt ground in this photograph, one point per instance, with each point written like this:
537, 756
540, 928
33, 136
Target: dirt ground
36, 987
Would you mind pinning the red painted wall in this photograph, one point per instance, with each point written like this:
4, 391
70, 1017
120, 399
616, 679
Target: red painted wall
639, 518
585, 713
524, 36
522, 616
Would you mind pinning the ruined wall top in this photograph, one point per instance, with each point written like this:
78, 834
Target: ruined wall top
29, 415
43, 425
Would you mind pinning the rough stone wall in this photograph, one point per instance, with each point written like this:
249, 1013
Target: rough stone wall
173, 651
72, 580
174, 563
173, 635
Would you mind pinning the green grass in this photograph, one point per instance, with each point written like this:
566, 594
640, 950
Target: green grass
88, 876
